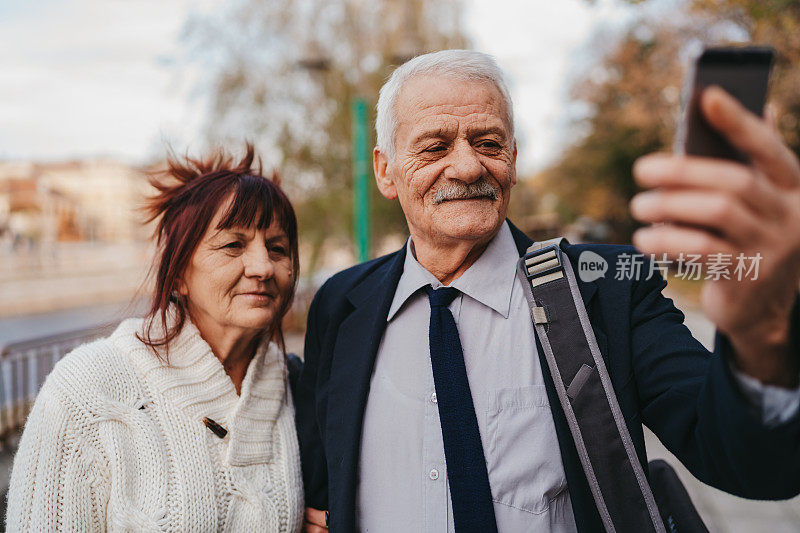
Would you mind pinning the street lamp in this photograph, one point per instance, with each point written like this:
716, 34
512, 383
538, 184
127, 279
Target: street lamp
361, 218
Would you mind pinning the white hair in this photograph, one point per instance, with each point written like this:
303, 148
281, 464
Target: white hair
453, 64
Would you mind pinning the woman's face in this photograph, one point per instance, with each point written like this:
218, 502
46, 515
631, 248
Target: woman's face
237, 279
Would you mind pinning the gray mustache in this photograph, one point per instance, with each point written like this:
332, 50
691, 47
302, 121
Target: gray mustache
458, 190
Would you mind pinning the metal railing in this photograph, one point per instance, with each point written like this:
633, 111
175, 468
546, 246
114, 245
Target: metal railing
25, 365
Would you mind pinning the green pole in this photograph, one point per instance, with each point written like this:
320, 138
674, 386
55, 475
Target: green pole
361, 223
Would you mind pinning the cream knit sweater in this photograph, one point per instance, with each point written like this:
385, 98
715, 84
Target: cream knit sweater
116, 442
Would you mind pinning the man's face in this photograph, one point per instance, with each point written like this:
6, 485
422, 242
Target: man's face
455, 157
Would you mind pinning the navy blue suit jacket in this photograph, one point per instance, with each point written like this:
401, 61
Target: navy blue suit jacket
663, 378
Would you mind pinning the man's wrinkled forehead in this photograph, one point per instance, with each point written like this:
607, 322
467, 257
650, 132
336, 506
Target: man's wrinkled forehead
428, 101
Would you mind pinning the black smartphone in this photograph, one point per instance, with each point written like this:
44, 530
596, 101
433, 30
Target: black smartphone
744, 73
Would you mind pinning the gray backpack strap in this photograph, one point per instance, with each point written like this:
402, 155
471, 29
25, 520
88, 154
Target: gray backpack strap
615, 475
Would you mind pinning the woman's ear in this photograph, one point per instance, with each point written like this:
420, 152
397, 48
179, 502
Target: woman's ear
181, 288
380, 165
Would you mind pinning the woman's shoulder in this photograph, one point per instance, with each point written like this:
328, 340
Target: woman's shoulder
100, 370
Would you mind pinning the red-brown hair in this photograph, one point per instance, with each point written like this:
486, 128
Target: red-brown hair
190, 192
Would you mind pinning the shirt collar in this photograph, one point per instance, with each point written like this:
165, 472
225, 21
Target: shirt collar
414, 277
489, 280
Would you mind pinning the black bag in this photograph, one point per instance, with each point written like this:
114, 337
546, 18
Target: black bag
625, 499
674, 504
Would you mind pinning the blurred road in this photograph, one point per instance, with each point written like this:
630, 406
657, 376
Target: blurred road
31, 326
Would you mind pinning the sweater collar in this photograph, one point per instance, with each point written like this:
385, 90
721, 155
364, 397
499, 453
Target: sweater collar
195, 381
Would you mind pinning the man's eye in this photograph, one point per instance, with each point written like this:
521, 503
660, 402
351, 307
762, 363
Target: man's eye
435, 148
489, 144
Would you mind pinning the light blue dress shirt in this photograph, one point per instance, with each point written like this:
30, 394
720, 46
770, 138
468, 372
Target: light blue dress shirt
402, 475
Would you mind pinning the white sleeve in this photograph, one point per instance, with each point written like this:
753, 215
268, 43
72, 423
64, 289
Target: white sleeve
56, 481
777, 404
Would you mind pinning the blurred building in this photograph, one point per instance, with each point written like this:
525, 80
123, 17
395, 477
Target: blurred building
92, 200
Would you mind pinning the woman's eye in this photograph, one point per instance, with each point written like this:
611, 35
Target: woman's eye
278, 249
235, 245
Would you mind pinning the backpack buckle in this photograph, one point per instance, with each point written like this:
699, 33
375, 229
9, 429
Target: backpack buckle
544, 265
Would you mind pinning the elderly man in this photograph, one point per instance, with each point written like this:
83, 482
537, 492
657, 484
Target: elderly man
467, 434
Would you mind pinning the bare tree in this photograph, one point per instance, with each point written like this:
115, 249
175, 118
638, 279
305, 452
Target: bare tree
283, 72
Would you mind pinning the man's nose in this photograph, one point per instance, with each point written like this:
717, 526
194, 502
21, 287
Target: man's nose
464, 164
257, 263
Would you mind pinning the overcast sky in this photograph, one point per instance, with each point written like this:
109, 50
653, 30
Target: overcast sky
81, 78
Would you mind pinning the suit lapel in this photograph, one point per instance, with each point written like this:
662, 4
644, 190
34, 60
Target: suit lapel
352, 363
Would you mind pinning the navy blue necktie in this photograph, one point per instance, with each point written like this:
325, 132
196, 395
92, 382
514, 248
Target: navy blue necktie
470, 493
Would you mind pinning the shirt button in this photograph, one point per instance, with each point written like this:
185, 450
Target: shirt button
434, 474
433, 397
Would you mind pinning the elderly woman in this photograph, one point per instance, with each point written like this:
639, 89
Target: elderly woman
180, 421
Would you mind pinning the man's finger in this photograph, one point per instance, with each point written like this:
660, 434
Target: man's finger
752, 135
771, 116
675, 240
667, 171
723, 214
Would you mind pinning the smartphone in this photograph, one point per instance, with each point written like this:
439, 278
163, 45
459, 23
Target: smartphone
741, 71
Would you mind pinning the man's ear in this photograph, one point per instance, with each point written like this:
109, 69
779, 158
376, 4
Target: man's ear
380, 165
514, 164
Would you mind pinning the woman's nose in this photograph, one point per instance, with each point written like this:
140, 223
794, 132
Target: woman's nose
257, 263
